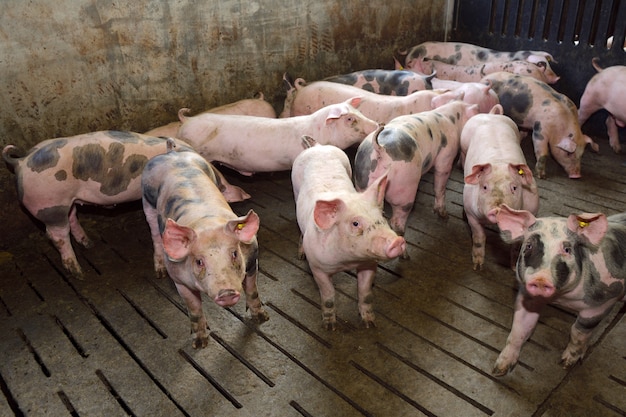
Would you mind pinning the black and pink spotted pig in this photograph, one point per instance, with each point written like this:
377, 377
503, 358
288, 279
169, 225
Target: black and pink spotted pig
578, 262
99, 168
389, 82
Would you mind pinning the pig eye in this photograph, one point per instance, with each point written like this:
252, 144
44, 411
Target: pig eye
199, 263
234, 255
567, 249
355, 223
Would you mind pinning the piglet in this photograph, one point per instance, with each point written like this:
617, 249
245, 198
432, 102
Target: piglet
460, 53
551, 116
389, 82
99, 168
198, 240
606, 90
495, 172
341, 228
578, 262
257, 106
406, 148
250, 144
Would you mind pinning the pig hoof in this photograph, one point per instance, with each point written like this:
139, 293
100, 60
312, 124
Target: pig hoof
200, 342
330, 325
261, 316
369, 323
502, 371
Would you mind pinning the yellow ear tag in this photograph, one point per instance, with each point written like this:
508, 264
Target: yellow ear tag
240, 226
521, 171
582, 223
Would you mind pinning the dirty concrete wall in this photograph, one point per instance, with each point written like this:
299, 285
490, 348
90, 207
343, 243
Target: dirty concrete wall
71, 66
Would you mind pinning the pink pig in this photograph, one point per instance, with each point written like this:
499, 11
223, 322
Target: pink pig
249, 107
495, 172
308, 98
251, 144
606, 90
341, 228
406, 148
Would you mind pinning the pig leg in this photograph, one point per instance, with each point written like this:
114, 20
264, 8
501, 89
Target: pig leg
77, 231
193, 301
540, 144
365, 280
401, 198
442, 173
327, 294
478, 242
611, 128
59, 235
525, 319
253, 302
157, 241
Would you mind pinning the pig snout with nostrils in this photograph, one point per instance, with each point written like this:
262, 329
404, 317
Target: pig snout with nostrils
198, 240
551, 116
495, 173
406, 148
578, 262
251, 144
100, 168
341, 228
606, 90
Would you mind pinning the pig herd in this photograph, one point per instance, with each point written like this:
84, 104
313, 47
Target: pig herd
447, 102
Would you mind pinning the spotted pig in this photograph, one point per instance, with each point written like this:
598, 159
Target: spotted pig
389, 82
198, 240
551, 117
101, 168
407, 147
459, 53
578, 262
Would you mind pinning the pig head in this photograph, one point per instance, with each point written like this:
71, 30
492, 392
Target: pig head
341, 228
578, 262
198, 240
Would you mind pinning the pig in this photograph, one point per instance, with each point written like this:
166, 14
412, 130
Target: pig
100, 168
389, 82
459, 53
578, 262
495, 172
250, 144
257, 106
341, 229
474, 73
198, 240
606, 90
407, 147
308, 98
551, 116
475, 93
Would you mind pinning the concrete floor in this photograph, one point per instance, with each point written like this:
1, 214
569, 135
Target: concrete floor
118, 343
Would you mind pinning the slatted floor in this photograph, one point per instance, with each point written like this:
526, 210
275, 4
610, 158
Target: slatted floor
118, 343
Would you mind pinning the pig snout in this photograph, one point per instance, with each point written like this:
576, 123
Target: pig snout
228, 297
540, 287
396, 248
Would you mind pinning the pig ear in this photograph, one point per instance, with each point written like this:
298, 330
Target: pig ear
326, 213
477, 171
355, 101
567, 144
594, 146
308, 141
177, 240
593, 226
244, 228
513, 223
376, 190
524, 172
